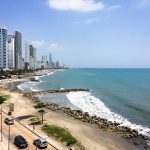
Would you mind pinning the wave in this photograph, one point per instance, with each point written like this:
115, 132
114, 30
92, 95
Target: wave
94, 106
20, 87
33, 89
31, 85
88, 74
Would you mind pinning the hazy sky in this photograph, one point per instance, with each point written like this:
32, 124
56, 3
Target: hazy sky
83, 33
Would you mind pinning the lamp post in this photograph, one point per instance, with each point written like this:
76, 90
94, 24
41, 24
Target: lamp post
9, 138
1, 124
36, 147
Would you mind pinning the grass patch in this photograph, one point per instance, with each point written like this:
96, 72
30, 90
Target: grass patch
3, 98
60, 134
35, 119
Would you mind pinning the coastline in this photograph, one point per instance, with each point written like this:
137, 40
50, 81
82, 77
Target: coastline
136, 142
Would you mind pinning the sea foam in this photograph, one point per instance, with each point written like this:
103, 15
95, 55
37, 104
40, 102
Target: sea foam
94, 106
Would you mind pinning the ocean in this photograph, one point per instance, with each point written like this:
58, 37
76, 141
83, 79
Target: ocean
120, 95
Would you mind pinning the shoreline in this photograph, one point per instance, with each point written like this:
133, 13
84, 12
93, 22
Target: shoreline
90, 136
135, 139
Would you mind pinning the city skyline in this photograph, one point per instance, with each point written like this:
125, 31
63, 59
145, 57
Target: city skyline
11, 50
89, 33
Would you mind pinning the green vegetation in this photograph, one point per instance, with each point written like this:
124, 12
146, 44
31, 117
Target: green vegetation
39, 105
3, 98
35, 119
60, 134
8, 73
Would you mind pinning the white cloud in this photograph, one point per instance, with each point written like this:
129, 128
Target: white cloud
113, 7
76, 5
144, 3
55, 46
38, 44
88, 21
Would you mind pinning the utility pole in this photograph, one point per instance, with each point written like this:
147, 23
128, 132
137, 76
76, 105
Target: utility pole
41, 111
9, 138
42, 115
1, 124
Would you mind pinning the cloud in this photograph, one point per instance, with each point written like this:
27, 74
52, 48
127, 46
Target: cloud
38, 44
76, 5
87, 21
144, 3
113, 7
55, 46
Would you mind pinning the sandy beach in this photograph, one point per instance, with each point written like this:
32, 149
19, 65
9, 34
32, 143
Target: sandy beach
90, 136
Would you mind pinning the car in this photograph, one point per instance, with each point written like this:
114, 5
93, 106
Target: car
9, 121
20, 141
40, 143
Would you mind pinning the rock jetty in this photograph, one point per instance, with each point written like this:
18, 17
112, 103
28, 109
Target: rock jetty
29, 94
33, 79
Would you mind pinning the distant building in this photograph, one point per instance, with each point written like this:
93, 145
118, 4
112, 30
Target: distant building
32, 63
30, 56
44, 58
3, 48
11, 51
64, 66
23, 64
44, 65
57, 64
18, 50
53, 65
27, 52
50, 60
38, 64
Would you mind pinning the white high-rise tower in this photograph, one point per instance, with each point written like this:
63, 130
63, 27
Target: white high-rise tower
11, 51
3, 48
50, 60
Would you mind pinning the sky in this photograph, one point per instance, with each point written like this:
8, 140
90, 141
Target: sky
83, 33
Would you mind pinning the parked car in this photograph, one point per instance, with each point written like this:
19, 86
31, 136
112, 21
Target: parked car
40, 143
20, 141
9, 121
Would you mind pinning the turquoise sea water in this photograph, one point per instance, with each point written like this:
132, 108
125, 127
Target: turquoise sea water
116, 94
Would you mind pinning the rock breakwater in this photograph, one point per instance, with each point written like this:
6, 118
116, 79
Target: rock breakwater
54, 91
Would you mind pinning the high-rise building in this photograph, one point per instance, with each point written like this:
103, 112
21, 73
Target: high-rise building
27, 52
18, 50
3, 48
57, 64
44, 58
50, 60
32, 57
11, 51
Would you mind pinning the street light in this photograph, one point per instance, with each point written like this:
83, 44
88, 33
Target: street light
36, 147
1, 124
9, 138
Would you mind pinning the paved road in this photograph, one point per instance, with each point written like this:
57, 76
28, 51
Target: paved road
15, 130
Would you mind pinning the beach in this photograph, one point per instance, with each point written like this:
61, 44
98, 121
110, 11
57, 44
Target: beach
89, 135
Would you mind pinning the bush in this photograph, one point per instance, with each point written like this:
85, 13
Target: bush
2, 99
39, 105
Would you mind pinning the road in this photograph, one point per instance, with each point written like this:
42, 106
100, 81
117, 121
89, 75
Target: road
15, 130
